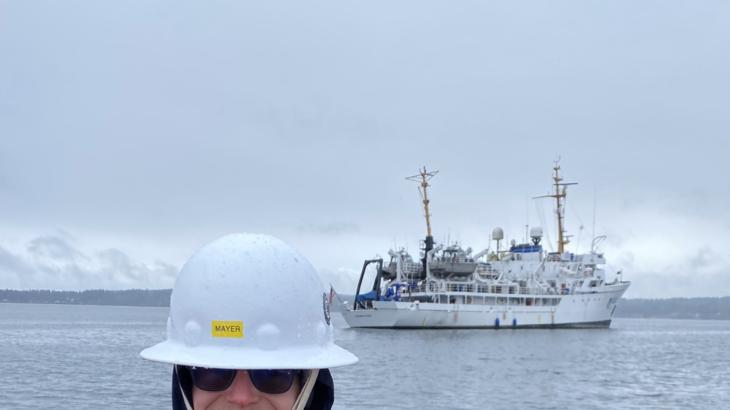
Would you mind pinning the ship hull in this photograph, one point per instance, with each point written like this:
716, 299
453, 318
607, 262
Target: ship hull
579, 310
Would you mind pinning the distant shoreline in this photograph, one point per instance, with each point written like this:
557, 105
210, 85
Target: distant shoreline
717, 308
711, 308
127, 297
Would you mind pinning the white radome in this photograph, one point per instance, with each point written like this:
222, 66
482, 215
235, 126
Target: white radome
536, 232
497, 234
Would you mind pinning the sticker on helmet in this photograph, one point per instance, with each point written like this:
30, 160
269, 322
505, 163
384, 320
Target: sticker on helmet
227, 328
326, 308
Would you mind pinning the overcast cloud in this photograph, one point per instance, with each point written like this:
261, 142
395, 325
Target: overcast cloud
131, 133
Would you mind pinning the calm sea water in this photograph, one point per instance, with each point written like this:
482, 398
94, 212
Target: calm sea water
86, 357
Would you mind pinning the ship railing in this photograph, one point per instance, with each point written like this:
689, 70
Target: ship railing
510, 290
415, 288
453, 287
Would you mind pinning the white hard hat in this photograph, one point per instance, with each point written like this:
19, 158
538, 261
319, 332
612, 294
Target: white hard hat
249, 301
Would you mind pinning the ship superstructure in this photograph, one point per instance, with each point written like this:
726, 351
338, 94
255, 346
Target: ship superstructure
521, 286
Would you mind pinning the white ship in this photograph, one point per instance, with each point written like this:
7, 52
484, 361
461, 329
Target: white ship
521, 287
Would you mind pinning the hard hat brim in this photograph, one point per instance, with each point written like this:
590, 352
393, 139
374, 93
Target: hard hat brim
320, 357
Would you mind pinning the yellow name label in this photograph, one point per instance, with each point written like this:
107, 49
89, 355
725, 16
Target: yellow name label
227, 328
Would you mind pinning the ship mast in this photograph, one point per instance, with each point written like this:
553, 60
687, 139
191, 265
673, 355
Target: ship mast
423, 177
559, 195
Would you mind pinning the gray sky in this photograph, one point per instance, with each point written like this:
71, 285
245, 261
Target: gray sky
133, 132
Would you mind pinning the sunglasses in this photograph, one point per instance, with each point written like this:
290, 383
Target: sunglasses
269, 381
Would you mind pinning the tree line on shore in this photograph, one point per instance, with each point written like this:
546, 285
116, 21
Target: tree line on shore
673, 308
676, 308
128, 297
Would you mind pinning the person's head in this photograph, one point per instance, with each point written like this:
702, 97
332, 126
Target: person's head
249, 327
